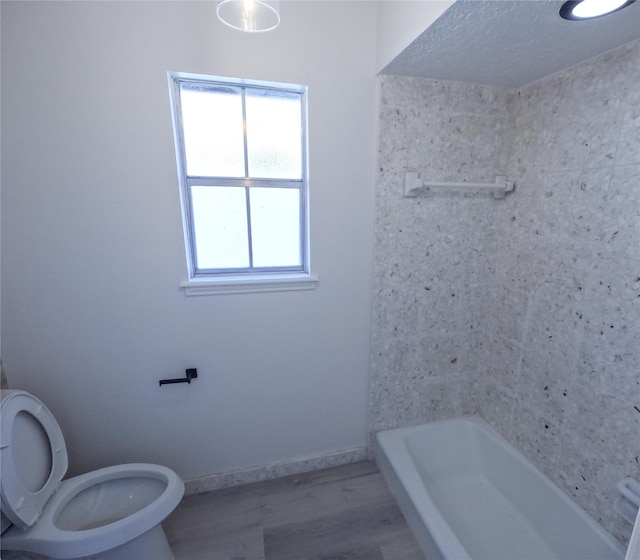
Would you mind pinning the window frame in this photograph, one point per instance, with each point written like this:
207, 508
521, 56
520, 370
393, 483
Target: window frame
202, 281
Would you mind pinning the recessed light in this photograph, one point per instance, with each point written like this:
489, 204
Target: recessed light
589, 9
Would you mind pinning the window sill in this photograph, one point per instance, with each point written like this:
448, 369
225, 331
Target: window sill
255, 284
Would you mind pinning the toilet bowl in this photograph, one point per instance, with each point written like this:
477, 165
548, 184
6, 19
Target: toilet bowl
109, 514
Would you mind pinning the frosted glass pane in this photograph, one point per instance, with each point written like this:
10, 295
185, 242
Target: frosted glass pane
220, 224
275, 227
274, 134
213, 131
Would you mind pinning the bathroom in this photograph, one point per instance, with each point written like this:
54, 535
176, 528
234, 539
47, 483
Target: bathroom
523, 310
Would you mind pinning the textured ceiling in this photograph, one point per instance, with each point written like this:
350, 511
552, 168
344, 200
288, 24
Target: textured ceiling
509, 43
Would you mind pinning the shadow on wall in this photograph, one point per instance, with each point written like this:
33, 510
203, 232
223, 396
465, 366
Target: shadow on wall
3, 377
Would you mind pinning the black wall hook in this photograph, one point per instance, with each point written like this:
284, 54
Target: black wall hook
191, 373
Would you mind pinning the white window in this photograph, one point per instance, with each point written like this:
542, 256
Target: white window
242, 166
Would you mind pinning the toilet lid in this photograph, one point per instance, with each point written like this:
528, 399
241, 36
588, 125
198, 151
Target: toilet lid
33, 456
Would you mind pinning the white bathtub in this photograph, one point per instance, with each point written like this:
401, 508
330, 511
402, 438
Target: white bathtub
467, 494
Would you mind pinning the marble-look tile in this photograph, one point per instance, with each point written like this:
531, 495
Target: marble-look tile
431, 252
532, 108
416, 402
568, 206
627, 151
544, 386
608, 349
614, 274
562, 272
575, 258
629, 141
613, 431
458, 156
518, 265
508, 313
588, 124
553, 332
537, 437
472, 99
404, 91
440, 400
609, 355
595, 455
503, 360
490, 400
440, 356
472, 356
443, 310
621, 218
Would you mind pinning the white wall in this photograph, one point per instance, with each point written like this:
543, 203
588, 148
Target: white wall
401, 21
92, 246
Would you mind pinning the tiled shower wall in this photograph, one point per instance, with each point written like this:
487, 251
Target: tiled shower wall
542, 336
569, 254
433, 256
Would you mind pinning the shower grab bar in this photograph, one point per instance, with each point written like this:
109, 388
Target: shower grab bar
414, 186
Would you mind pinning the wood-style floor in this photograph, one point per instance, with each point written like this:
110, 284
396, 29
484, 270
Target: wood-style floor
343, 513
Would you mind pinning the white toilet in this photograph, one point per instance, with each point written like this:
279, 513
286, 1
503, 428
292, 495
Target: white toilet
109, 514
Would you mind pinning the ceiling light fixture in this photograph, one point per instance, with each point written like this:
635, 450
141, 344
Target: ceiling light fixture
253, 16
589, 9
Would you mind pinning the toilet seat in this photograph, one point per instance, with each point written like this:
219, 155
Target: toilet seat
25, 492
